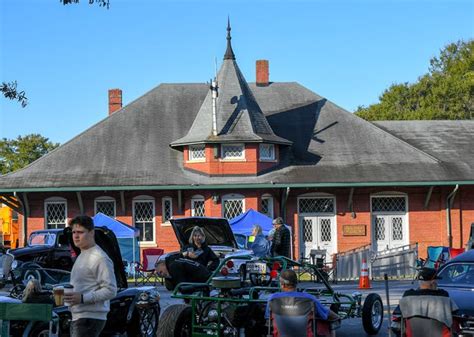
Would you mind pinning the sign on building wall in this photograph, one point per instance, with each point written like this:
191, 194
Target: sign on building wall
354, 230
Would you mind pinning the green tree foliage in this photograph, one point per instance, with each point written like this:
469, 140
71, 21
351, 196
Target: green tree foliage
102, 3
10, 91
19, 152
446, 92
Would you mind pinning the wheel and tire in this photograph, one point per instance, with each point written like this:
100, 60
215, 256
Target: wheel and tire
145, 322
372, 314
175, 321
39, 330
32, 274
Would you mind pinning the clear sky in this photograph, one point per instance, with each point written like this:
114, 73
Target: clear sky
67, 57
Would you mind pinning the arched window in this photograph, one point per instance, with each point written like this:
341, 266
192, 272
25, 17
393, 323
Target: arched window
144, 217
232, 205
55, 212
105, 205
198, 206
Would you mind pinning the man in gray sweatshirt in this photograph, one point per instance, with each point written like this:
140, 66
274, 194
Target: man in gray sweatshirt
93, 279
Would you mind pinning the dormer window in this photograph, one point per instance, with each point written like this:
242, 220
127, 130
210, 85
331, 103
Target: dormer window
197, 152
233, 151
267, 151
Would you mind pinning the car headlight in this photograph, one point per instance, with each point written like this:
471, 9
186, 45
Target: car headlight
144, 297
14, 264
213, 315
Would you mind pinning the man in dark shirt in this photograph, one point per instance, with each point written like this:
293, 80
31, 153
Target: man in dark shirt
181, 270
281, 243
430, 302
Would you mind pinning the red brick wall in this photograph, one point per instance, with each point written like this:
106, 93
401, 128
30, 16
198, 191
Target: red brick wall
426, 226
251, 165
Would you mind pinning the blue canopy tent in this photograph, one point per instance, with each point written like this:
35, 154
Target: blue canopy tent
127, 236
243, 224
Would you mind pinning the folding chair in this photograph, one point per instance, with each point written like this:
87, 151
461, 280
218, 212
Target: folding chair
146, 271
28, 312
292, 316
426, 316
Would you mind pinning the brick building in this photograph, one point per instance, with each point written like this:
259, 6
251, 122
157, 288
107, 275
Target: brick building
279, 148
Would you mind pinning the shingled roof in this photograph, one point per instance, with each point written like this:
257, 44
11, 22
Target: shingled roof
329, 146
238, 115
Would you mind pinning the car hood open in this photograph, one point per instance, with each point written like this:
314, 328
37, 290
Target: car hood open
217, 230
106, 240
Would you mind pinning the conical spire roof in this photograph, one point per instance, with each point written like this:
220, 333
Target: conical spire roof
238, 115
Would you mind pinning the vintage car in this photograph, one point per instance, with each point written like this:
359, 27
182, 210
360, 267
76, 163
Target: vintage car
234, 305
457, 278
134, 311
47, 248
219, 238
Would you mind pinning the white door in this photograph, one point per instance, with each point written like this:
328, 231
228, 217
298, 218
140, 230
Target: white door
318, 232
389, 231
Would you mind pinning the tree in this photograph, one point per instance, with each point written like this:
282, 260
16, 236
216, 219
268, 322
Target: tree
10, 91
446, 92
19, 152
102, 3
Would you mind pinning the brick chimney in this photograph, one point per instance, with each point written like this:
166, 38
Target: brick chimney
115, 100
263, 73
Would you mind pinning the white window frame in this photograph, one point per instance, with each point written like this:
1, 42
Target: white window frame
55, 200
145, 198
163, 200
241, 158
191, 148
261, 158
270, 204
105, 199
229, 197
406, 218
194, 199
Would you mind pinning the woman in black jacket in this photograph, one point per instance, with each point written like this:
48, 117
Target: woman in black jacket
199, 251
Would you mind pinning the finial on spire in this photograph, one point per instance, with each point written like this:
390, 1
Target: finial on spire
229, 53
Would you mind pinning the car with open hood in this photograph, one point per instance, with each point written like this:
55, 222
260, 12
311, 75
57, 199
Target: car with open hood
134, 311
219, 237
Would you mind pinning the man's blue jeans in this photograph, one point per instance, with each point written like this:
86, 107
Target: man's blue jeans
87, 327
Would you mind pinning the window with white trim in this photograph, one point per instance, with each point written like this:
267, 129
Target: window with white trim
267, 151
197, 152
167, 204
144, 218
105, 205
232, 205
55, 213
198, 206
233, 151
266, 205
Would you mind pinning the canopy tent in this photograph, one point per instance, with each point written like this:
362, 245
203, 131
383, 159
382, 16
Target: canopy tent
127, 236
243, 224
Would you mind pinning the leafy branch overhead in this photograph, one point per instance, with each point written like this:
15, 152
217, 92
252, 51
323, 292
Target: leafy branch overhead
102, 3
10, 91
445, 92
22, 151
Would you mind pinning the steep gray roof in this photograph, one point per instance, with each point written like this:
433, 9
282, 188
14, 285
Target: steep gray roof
129, 149
239, 117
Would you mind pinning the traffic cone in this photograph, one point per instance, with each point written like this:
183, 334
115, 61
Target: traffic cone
364, 282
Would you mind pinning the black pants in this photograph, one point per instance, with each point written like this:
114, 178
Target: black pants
87, 327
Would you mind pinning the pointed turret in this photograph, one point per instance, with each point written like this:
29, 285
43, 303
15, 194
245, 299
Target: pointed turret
239, 117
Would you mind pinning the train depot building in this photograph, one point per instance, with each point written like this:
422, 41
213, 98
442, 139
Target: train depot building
220, 149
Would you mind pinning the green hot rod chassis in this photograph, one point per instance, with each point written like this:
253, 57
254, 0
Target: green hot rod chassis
232, 302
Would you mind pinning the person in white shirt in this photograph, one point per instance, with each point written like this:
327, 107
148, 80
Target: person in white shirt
93, 279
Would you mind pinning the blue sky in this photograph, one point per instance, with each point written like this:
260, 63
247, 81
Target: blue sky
67, 57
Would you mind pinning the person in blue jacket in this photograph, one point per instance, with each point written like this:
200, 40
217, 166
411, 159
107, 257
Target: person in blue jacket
260, 245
